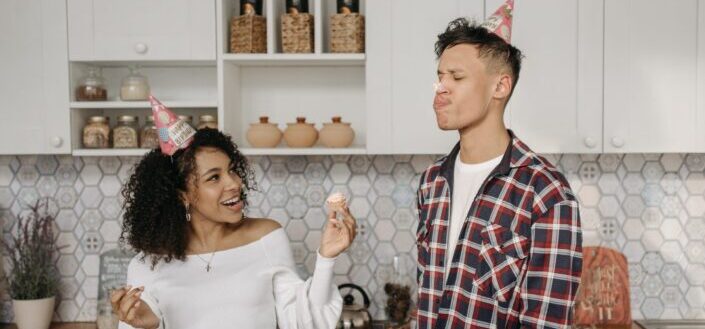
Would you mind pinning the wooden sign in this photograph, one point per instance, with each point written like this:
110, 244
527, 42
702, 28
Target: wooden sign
603, 296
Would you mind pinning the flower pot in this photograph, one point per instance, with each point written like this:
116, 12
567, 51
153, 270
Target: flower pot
264, 134
33, 313
300, 134
337, 133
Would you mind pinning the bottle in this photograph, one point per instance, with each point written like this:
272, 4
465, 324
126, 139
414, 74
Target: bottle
134, 86
92, 86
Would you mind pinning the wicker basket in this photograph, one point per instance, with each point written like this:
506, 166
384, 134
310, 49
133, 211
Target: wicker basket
297, 33
347, 33
248, 34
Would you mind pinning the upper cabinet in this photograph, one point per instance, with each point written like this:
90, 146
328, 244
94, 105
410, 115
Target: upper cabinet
401, 70
107, 30
557, 103
35, 83
654, 76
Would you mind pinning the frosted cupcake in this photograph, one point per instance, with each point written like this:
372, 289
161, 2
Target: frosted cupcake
336, 202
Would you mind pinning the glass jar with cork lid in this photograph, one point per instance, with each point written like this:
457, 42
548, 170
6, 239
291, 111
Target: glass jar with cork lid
96, 132
207, 121
149, 136
125, 132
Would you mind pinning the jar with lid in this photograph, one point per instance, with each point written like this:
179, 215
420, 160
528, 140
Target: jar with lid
92, 86
149, 136
96, 132
207, 121
134, 86
125, 133
186, 118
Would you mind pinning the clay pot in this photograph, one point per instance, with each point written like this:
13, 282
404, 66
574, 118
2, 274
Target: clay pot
264, 133
300, 134
337, 133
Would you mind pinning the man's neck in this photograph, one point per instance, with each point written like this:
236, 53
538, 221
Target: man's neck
483, 143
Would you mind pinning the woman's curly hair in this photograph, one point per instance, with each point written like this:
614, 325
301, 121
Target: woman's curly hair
155, 222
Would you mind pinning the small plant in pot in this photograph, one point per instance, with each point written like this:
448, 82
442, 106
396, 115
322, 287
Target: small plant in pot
33, 278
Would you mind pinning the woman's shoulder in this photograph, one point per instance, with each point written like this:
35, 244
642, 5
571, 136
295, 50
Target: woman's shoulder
259, 228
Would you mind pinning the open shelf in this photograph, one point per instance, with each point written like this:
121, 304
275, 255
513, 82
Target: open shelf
295, 59
141, 104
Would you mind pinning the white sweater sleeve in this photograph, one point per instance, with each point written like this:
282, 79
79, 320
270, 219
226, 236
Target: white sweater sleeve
140, 274
313, 304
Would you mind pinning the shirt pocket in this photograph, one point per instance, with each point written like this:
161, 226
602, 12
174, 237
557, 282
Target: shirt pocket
501, 258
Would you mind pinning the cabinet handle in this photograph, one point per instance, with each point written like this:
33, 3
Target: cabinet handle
617, 142
141, 48
56, 141
590, 142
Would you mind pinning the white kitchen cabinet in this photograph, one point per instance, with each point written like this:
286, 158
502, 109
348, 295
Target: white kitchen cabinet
35, 79
654, 77
107, 30
557, 103
401, 70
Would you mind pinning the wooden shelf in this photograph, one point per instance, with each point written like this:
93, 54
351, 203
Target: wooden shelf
295, 59
140, 104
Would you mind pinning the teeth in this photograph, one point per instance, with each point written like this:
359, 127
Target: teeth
231, 201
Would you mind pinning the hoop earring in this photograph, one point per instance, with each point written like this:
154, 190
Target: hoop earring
188, 213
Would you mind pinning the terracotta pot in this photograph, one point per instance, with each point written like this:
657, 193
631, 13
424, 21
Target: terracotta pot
264, 133
337, 133
300, 134
33, 314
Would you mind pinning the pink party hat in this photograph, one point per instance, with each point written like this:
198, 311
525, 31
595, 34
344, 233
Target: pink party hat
500, 23
174, 134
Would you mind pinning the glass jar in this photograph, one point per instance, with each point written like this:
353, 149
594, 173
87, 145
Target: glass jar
149, 136
187, 118
207, 121
92, 86
125, 133
96, 132
134, 86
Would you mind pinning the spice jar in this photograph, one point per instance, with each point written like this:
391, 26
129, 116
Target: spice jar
96, 133
125, 133
134, 86
207, 121
337, 133
300, 134
91, 87
149, 136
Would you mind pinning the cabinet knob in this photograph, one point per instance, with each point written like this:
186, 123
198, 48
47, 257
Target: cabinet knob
141, 48
617, 142
590, 142
56, 141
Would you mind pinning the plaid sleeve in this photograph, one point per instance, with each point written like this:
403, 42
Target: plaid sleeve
554, 269
420, 230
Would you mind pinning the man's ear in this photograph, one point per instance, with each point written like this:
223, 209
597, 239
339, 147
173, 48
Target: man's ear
504, 86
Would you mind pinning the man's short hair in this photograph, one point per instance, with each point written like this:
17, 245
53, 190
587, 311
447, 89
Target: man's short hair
497, 53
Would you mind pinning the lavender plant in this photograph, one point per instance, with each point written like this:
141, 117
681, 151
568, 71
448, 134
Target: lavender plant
32, 254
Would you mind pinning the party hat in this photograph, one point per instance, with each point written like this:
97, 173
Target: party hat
174, 133
500, 23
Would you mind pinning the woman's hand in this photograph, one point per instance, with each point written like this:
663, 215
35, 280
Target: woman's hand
131, 309
338, 234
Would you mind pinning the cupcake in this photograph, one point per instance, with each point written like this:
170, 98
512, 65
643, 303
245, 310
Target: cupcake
336, 202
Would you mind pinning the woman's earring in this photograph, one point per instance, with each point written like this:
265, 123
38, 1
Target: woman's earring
188, 213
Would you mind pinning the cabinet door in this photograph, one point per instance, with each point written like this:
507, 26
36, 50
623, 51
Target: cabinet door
557, 103
652, 86
401, 69
141, 29
34, 86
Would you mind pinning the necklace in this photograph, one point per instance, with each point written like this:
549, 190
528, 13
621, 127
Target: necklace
208, 262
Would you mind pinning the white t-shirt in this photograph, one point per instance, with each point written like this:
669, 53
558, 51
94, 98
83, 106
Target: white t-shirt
467, 180
251, 286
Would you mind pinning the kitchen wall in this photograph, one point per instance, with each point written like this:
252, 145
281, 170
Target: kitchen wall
649, 206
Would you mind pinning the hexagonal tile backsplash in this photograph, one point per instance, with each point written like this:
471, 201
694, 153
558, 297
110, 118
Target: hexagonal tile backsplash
649, 206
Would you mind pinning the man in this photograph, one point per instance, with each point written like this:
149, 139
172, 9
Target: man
499, 239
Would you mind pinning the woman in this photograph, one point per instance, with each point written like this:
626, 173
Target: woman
203, 263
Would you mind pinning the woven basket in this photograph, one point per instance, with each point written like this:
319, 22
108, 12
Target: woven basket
347, 33
248, 34
297, 33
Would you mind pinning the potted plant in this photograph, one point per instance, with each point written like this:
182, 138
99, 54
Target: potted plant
33, 278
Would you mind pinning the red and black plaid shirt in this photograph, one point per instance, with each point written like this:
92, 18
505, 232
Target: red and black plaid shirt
518, 260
